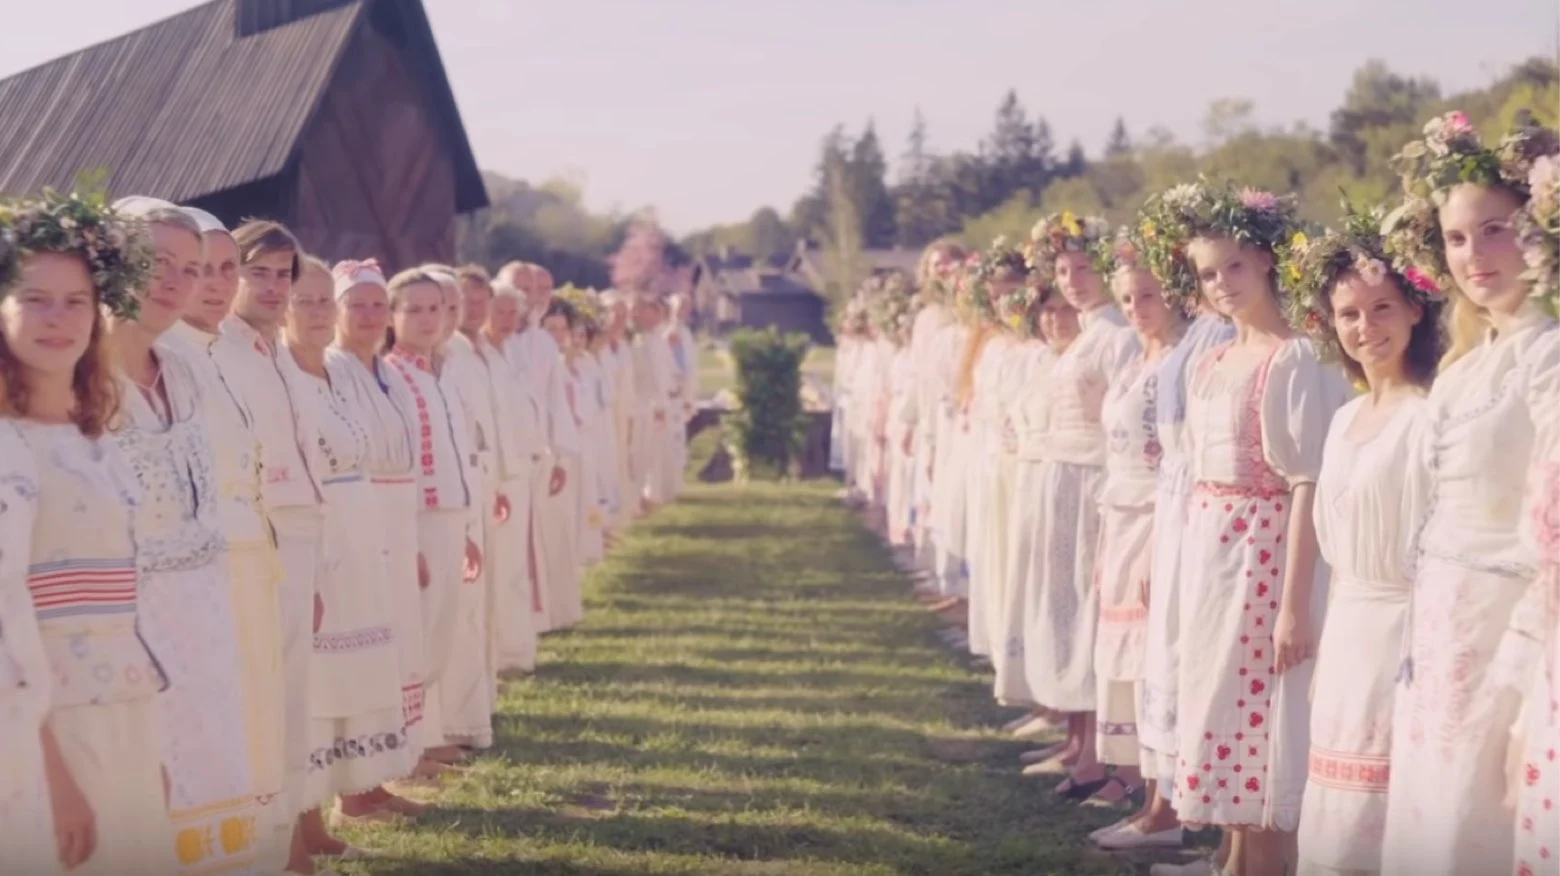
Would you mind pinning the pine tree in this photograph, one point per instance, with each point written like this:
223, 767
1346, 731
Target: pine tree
868, 183
1120, 144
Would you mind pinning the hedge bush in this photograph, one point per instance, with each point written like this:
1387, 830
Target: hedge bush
768, 429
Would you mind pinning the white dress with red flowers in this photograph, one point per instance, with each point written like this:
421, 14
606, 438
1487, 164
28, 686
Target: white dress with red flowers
1256, 428
1453, 713
1369, 497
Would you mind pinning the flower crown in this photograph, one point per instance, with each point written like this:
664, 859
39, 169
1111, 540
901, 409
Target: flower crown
1170, 220
968, 302
585, 303
936, 273
116, 249
890, 304
1003, 261
1310, 268
1538, 228
1064, 232
1451, 153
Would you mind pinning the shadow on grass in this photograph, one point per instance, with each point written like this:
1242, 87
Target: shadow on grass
752, 693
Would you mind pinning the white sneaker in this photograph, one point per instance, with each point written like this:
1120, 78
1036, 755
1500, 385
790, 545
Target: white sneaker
1095, 836
1199, 867
1131, 837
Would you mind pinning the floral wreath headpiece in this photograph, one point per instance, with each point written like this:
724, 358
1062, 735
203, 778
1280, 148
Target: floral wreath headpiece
1451, 153
1064, 232
1538, 229
937, 271
968, 302
1003, 261
891, 305
116, 249
585, 303
1172, 219
1311, 267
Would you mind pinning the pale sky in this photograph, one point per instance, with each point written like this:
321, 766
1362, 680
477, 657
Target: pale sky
708, 109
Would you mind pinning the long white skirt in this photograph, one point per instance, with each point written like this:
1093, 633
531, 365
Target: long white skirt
26, 818
1445, 812
396, 498
1124, 565
508, 558
256, 574
950, 492
536, 541
1158, 695
593, 516
1059, 641
897, 501
1020, 601
1345, 807
441, 538
1244, 731
467, 684
1538, 823
988, 566
559, 531
358, 731
186, 617
297, 546
114, 752
628, 487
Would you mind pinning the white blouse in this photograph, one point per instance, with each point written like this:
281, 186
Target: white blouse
464, 375
1030, 410
229, 422
445, 464
1132, 448
1079, 381
383, 406
1205, 333
287, 478
522, 435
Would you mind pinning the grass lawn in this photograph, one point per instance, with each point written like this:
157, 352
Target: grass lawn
715, 369
752, 692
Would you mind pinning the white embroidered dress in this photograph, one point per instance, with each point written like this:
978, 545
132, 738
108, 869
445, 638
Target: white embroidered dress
187, 617
355, 678
1059, 646
388, 414
1369, 497
82, 576
1472, 568
1132, 455
1256, 428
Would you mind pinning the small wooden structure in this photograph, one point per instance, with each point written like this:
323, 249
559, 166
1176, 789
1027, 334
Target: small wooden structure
332, 116
737, 291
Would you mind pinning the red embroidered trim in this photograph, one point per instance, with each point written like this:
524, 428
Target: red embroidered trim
1350, 772
412, 703
424, 427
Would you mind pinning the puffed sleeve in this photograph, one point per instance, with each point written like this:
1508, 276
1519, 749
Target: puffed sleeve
24, 668
1117, 352
1298, 404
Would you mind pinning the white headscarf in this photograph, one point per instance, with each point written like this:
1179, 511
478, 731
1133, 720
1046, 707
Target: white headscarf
350, 273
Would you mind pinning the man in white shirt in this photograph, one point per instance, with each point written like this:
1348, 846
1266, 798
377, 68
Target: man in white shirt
290, 490
655, 374
685, 355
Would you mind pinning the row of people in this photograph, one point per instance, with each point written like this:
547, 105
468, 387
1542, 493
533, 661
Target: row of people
271, 531
1265, 516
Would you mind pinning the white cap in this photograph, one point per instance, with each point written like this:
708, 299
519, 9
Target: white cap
347, 274
140, 206
207, 222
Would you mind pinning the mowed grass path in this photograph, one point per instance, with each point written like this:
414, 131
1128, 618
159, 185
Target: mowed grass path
753, 692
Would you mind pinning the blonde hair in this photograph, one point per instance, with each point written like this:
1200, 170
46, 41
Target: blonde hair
1466, 326
397, 290
973, 347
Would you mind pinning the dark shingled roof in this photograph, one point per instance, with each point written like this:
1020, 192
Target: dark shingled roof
204, 101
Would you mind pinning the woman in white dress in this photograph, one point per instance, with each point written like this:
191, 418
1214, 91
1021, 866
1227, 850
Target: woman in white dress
357, 728
186, 605
1533, 640
1452, 710
1253, 587
1056, 322
894, 320
565, 607
101, 746
1156, 714
1060, 645
936, 281
949, 480
1133, 452
253, 565
361, 384
447, 557
600, 438
1372, 492
991, 470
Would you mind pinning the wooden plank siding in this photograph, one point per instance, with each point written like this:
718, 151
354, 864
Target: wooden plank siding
375, 178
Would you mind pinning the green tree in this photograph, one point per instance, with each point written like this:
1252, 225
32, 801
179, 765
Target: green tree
1017, 153
921, 213
868, 178
1120, 144
1377, 98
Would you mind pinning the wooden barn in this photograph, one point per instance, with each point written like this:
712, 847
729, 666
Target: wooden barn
332, 116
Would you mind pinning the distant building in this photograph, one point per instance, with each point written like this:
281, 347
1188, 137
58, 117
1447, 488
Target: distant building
733, 291
332, 116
